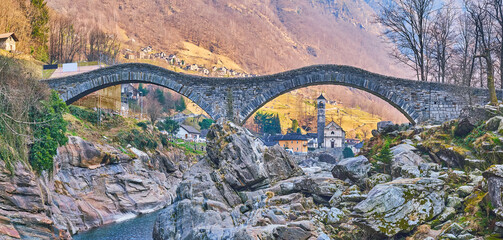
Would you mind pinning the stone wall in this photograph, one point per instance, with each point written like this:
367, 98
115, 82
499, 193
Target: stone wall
238, 98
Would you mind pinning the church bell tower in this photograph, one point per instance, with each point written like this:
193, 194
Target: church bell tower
321, 102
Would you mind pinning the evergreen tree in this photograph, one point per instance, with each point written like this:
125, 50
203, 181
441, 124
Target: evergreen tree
171, 126
206, 123
143, 90
384, 157
348, 153
180, 105
39, 29
159, 95
268, 122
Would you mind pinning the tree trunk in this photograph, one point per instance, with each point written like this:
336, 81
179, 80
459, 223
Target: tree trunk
490, 79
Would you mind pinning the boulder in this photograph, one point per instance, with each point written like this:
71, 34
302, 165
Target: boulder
495, 123
405, 162
400, 205
328, 158
463, 128
386, 126
80, 153
279, 164
234, 148
354, 169
494, 176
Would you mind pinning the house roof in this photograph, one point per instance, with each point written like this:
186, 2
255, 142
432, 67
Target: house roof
271, 140
190, 129
6, 35
359, 145
293, 136
204, 132
321, 97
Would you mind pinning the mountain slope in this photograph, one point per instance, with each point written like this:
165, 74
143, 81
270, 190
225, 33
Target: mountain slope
262, 36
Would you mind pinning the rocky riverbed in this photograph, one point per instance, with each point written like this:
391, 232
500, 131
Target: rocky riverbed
91, 185
409, 182
428, 190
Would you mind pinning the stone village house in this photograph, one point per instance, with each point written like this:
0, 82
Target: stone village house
8, 41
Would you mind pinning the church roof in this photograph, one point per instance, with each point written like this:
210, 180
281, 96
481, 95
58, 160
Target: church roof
332, 123
321, 97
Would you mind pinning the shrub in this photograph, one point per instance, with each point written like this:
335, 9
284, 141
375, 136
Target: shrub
206, 123
84, 114
348, 153
137, 139
49, 133
142, 125
385, 156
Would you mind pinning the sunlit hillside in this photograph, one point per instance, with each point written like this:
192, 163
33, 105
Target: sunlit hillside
357, 112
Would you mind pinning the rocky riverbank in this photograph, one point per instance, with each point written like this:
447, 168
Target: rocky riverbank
91, 185
434, 182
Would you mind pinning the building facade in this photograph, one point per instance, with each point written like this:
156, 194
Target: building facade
188, 133
321, 102
8, 41
296, 142
334, 136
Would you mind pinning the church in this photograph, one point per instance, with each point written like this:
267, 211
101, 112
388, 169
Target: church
331, 135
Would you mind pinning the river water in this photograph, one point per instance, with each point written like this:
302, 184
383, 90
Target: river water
138, 228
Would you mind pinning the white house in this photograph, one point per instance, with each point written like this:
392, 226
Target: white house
189, 133
334, 136
8, 41
194, 67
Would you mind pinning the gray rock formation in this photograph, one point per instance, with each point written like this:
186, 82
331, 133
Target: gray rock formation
494, 176
91, 185
245, 191
400, 205
405, 162
354, 169
22, 206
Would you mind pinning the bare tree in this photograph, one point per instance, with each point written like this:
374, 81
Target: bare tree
465, 48
407, 23
66, 40
153, 108
442, 40
497, 14
102, 46
484, 28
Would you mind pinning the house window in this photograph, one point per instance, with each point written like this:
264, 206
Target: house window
297, 141
333, 133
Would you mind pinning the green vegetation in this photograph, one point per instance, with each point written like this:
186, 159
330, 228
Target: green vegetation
348, 153
137, 139
206, 123
143, 90
180, 105
295, 127
169, 125
143, 125
383, 159
49, 133
31, 117
268, 122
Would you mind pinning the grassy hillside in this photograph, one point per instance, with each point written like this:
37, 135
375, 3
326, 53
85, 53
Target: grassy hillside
354, 110
259, 37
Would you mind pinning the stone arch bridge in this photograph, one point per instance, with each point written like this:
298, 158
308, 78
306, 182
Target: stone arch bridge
238, 98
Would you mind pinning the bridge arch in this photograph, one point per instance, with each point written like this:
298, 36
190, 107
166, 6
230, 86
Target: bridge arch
399, 108
237, 99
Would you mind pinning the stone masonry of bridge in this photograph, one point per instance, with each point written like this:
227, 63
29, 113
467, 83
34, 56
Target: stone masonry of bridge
237, 99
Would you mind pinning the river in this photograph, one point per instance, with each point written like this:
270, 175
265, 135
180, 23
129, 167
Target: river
138, 228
